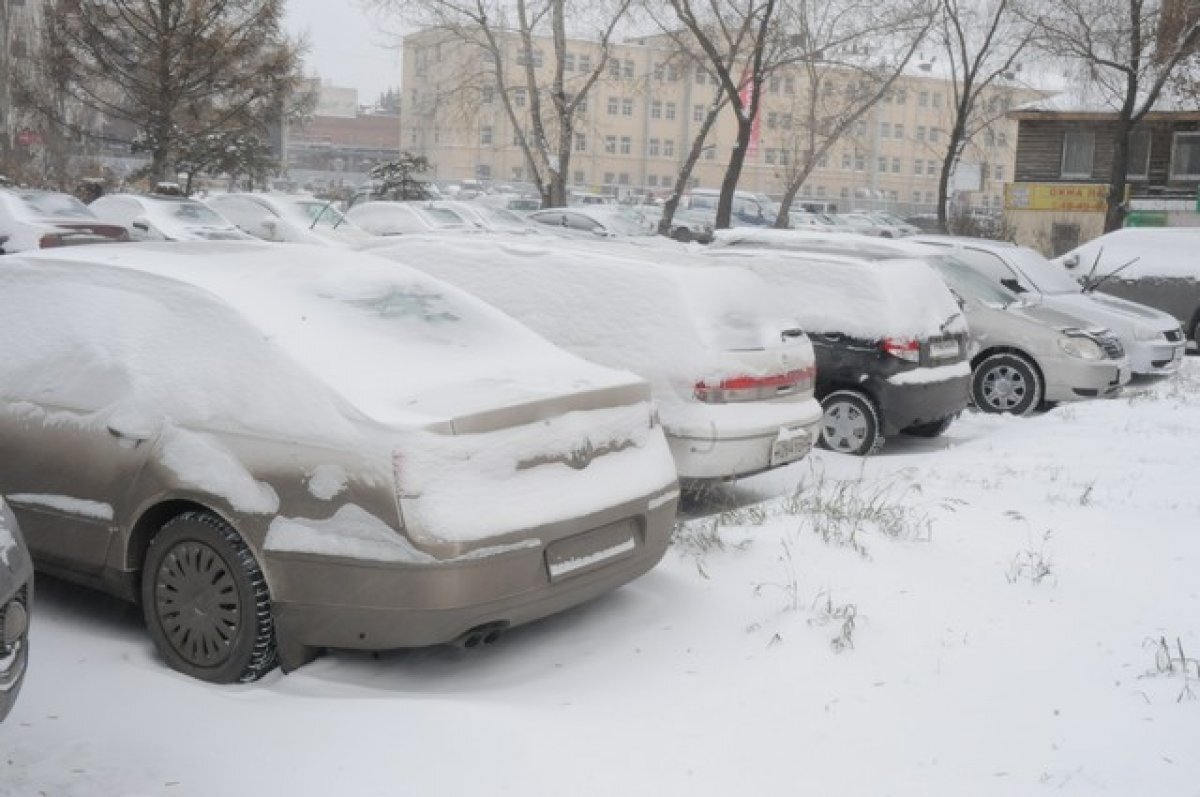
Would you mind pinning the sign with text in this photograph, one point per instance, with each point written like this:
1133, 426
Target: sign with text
1062, 197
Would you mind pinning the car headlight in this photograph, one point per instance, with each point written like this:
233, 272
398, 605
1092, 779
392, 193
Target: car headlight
1080, 346
1141, 332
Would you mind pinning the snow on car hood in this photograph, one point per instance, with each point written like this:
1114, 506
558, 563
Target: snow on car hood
378, 336
1117, 314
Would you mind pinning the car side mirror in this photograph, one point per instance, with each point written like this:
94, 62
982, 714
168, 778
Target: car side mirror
1013, 285
1071, 261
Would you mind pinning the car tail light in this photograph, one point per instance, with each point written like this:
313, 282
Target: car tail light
50, 240
903, 348
754, 388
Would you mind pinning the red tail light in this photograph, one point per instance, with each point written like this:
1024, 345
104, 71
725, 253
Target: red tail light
49, 241
754, 388
903, 348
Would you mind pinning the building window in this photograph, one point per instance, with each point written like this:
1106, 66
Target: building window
626, 145
582, 106
931, 168
989, 138
579, 179
820, 190
610, 145
928, 197
669, 110
789, 85
487, 95
934, 134
699, 76
823, 160
660, 72
613, 105
772, 120
1079, 148
919, 167
580, 142
846, 161
901, 96
860, 128
845, 193
626, 107
860, 162
923, 99
523, 57
516, 138
669, 148
785, 157
652, 180
483, 171
653, 148
916, 197
774, 84
656, 109
898, 131
1002, 139
920, 132
609, 178
585, 63
937, 100
614, 67
998, 173
885, 130
623, 178
518, 173
1185, 155
895, 165
628, 69
697, 113
569, 62
770, 157
710, 153
485, 136
519, 98
881, 165
672, 73
1138, 166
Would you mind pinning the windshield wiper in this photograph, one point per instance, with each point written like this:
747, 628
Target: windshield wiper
1091, 285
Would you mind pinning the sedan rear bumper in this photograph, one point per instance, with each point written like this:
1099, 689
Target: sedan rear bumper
904, 405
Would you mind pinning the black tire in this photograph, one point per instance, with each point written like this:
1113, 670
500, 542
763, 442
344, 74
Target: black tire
206, 601
682, 234
850, 424
1006, 383
931, 429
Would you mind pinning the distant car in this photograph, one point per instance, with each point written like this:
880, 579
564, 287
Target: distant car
1151, 338
16, 599
407, 218
32, 219
276, 451
491, 218
732, 378
592, 222
289, 218
152, 217
1025, 356
890, 341
1159, 267
686, 225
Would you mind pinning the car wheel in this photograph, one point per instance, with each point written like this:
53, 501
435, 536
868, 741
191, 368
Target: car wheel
682, 234
850, 424
206, 602
932, 429
1006, 383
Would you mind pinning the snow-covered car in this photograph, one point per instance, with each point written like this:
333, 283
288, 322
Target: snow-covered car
891, 343
491, 218
1025, 355
289, 218
1152, 339
1156, 267
16, 599
686, 225
159, 217
592, 222
384, 217
32, 219
275, 453
732, 374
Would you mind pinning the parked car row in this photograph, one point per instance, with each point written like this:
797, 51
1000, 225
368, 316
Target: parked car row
275, 451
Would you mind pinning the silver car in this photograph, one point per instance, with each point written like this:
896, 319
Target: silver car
152, 217
1152, 339
275, 451
16, 598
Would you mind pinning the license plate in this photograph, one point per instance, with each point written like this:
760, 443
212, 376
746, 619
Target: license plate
942, 349
590, 549
789, 447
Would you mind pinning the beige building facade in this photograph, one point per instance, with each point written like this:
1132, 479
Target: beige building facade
641, 116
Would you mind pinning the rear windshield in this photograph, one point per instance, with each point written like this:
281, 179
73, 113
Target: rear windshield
191, 213
40, 203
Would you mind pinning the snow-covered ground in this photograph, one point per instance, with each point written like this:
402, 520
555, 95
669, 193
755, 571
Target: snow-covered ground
982, 614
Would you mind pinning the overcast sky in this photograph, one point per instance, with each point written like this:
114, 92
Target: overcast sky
347, 47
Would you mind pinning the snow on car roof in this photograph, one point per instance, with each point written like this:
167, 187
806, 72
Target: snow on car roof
611, 304
1160, 252
381, 336
867, 298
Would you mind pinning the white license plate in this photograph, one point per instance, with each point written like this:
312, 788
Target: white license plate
790, 448
941, 349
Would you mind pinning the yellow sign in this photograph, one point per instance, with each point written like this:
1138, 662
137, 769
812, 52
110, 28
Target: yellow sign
1086, 197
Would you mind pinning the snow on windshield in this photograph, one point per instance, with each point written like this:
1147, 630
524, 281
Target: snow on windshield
185, 212
1046, 277
44, 203
1140, 253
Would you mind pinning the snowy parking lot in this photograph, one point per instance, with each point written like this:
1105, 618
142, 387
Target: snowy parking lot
1009, 609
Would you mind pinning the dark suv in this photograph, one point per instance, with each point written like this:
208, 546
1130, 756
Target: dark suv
16, 593
891, 342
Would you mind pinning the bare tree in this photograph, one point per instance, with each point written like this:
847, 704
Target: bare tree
735, 35
168, 68
849, 56
982, 41
494, 31
1126, 53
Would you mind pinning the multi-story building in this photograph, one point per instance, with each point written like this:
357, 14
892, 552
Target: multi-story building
19, 31
338, 145
643, 113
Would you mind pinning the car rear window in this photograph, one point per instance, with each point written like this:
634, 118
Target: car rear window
40, 203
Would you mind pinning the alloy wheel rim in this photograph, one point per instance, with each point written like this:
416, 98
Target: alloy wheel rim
197, 603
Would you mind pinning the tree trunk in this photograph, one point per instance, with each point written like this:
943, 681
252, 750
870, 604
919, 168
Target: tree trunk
733, 173
1114, 213
685, 171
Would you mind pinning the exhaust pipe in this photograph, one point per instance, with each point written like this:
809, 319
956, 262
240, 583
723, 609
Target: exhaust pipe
485, 634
